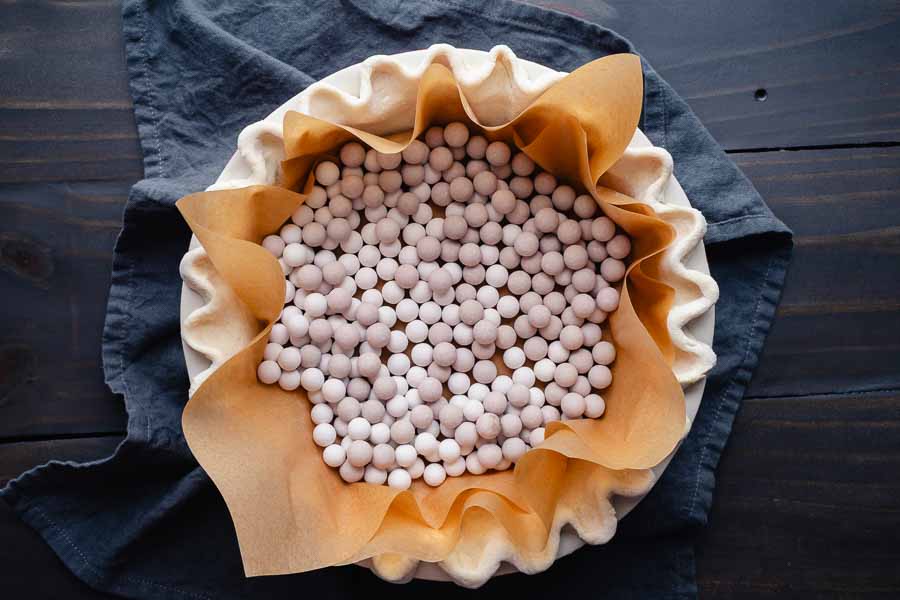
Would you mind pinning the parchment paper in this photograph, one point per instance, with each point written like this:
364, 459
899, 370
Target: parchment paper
293, 513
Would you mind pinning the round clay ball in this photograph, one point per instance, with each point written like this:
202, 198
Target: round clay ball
497, 154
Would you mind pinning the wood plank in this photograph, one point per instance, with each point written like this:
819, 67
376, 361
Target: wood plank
73, 121
804, 504
839, 314
65, 108
56, 244
829, 70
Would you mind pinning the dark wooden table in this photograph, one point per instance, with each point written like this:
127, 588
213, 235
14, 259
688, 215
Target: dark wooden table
806, 97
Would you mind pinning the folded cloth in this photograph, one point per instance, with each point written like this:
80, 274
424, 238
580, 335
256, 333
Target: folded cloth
147, 522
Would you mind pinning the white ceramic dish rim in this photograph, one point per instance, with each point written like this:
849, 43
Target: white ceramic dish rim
701, 328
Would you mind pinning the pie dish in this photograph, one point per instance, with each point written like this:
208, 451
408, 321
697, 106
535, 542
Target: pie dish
377, 95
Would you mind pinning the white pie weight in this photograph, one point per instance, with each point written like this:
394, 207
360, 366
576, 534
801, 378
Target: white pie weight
393, 312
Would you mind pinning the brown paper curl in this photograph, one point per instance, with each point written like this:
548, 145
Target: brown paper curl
293, 513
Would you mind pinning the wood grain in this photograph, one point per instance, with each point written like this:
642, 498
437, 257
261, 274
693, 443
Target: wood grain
829, 71
56, 244
65, 109
805, 504
839, 315
831, 77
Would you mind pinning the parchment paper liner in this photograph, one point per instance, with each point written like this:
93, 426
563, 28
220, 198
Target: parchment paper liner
293, 513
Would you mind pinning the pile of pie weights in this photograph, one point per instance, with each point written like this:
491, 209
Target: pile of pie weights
408, 273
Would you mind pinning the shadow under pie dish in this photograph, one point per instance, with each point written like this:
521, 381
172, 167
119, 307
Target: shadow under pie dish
255, 441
